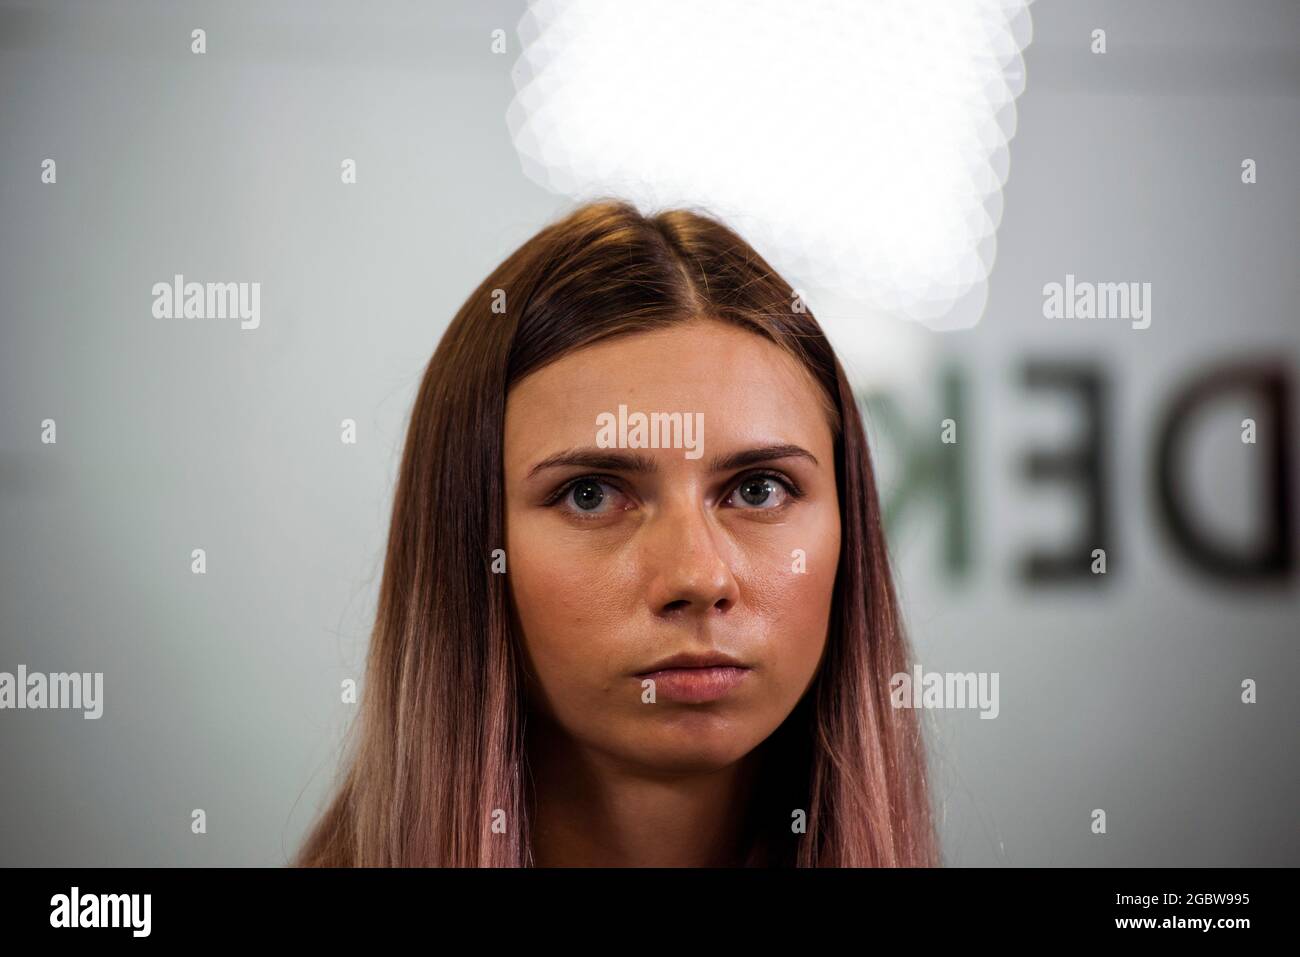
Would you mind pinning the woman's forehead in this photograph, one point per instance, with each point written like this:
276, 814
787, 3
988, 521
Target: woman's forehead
744, 387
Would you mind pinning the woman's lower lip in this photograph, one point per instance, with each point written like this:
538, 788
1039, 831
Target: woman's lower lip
695, 685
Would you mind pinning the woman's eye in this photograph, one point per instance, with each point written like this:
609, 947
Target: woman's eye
759, 491
590, 496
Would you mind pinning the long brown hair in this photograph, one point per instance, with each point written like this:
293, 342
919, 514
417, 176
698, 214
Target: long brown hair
438, 750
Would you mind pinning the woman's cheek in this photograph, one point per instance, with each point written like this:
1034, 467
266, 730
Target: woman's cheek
792, 599
563, 597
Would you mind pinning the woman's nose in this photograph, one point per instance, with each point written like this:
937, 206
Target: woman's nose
688, 561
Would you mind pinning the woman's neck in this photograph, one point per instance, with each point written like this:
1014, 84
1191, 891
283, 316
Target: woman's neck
589, 809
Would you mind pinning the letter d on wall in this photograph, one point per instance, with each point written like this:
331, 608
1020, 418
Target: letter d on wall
1272, 557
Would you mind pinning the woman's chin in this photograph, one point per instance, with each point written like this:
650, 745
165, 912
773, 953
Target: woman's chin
701, 750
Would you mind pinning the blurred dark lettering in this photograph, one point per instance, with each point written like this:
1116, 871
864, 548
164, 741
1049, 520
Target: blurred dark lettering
1272, 557
929, 468
1082, 465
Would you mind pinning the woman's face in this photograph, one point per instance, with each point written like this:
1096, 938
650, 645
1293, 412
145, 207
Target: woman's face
621, 557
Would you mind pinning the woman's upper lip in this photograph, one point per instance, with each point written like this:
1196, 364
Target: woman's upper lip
695, 659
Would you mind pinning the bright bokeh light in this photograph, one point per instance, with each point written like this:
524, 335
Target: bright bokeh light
861, 146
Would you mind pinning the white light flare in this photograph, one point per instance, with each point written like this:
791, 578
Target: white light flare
860, 146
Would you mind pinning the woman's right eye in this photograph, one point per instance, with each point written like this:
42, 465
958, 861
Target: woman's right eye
589, 496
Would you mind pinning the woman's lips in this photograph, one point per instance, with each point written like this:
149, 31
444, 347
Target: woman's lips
696, 685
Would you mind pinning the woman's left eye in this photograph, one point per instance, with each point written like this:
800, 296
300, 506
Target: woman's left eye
759, 492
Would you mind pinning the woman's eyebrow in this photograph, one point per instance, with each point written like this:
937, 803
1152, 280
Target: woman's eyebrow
765, 453
644, 464
597, 459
